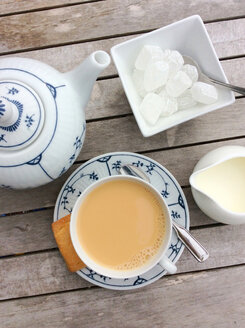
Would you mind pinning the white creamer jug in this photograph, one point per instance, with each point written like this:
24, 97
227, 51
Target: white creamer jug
218, 184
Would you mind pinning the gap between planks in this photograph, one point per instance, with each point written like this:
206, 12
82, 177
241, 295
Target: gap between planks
49, 8
113, 13
108, 37
230, 45
29, 253
95, 287
12, 13
203, 298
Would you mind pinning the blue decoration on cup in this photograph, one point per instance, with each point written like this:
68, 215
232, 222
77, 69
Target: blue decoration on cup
181, 202
175, 215
116, 165
105, 160
93, 176
139, 281
138, 164
165, 192
175, 248
92, 275
150, 168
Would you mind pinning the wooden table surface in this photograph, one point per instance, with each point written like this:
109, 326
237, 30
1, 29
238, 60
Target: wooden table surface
36, 290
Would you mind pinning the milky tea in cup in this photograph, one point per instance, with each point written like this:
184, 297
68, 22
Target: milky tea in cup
120, 226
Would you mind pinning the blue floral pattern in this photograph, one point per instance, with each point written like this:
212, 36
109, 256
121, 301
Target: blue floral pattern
17, 96
175, 215
77, 145
29, 120
13, 91
116, 165
109, 164
2, 137
175, 248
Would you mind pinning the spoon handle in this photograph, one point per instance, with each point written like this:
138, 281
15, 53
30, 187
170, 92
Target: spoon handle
197, 250
229, 86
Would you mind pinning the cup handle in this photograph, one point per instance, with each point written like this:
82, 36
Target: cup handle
168, 265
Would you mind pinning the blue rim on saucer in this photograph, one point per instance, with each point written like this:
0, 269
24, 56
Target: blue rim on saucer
106, 165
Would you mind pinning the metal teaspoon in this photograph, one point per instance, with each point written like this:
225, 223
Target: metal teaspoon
205, 78
195, 248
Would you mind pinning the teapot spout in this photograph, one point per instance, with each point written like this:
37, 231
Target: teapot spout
83, 77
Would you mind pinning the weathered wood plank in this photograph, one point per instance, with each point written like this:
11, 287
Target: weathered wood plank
100, 19
41, 197
123, 134
233, 70
205, 299
27, 232
46, 272
180, 163
31, 232
227, 37
13, 7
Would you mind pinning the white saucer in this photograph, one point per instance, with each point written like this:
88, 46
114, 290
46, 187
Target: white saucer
161, 179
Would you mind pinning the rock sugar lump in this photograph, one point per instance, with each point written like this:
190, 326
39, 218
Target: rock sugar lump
166, 84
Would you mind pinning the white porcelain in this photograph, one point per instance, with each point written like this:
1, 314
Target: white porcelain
189, 36
42, 121
106, 165
160, 257
209, 206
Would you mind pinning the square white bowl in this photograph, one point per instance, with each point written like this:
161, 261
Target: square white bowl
189, 36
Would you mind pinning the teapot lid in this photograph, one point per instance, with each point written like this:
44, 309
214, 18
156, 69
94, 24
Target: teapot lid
21, 115
32, 96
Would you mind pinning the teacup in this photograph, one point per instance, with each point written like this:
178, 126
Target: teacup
80, 210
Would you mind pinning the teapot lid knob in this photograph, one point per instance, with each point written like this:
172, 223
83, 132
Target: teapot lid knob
8, 113
21, 115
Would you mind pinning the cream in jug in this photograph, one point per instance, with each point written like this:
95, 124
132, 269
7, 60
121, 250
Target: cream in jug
225, 183
218, 184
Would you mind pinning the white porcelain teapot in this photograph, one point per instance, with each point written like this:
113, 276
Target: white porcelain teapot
42, 121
